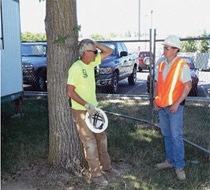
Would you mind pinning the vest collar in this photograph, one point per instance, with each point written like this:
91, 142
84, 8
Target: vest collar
166, 61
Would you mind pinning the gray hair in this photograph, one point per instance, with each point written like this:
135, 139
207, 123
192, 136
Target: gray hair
85, 45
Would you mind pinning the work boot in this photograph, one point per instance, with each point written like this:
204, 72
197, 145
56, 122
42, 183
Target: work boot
100, 180
111, 172
164, 165
180, 174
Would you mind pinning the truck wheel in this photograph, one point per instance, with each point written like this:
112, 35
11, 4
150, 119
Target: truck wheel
132, 77
194, 92
115, 83
40, 83
140, 69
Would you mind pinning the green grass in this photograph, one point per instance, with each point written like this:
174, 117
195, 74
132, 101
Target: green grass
25, 139
133, 146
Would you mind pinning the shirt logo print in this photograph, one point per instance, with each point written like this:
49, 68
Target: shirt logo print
85, 75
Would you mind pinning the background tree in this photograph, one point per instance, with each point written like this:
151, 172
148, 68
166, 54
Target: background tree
113, 35
205, 44
62, 40
27, 36
98, 37
189, 46
128, 34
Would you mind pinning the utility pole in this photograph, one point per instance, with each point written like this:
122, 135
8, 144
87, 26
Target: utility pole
151, 18
139, 33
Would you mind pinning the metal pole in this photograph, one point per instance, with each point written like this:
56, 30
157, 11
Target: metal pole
151, 18
139, 20
150, 71
152, 78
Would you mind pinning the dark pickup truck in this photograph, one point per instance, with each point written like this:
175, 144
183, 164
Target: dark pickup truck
34, 64
118, 66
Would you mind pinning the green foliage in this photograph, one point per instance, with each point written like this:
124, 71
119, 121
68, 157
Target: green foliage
99, 37
189, 46
27, 36
205, 44
113, 35
60, 40
77, 29
128, 34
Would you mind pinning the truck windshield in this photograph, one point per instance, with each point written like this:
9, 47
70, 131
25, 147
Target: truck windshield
144, 54
34, 50
112, 46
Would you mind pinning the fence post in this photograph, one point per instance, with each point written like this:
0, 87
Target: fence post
151, 86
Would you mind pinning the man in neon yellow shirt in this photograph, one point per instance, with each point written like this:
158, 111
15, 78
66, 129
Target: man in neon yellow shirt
81, 90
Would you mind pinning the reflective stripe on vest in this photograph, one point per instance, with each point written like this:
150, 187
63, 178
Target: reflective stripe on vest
175, 78
170, 89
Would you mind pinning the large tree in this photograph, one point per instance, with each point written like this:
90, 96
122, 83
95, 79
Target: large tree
62, 41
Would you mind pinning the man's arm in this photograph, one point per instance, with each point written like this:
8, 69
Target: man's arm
105, 50
71, 93
185, 92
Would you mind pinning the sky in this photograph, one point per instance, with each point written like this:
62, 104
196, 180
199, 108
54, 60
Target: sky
179, 17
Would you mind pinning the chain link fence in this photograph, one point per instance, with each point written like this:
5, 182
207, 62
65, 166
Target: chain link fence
129, 78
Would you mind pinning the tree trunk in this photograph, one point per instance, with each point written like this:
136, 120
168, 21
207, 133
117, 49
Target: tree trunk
62, 42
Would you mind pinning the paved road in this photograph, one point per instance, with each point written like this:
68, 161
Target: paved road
140, 87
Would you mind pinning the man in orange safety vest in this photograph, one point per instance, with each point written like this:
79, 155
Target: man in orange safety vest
173, 83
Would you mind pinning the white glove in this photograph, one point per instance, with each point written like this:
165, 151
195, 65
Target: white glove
91, 109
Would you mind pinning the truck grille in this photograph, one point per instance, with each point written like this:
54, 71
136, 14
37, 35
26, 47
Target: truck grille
97, 71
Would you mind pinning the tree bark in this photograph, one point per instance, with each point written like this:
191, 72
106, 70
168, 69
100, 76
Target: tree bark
62, 42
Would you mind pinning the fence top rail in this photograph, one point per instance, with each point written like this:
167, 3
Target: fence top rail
118, 96
146, 97
101, 41
186, 39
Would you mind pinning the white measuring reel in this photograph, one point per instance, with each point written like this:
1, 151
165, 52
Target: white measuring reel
98, 122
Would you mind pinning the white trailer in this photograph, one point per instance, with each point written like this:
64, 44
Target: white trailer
10, 51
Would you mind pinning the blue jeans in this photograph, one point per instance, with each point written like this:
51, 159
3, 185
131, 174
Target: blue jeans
171, 129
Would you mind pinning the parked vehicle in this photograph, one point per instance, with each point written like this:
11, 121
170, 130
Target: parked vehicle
202, 61
118, 66
34, 64
190, 60
144, 60
10, 51
194, 77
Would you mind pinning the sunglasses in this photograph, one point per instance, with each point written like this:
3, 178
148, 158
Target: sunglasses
95, 52
168, 48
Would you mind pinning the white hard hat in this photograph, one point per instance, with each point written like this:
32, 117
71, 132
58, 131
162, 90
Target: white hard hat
98, 122
173, 41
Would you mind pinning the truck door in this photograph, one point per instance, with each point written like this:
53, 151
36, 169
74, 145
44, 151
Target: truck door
122, 60
129, 61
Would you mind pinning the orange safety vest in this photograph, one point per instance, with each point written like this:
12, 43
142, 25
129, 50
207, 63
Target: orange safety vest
170, 89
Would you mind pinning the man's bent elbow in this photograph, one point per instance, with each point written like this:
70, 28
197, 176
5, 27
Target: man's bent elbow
68, 91
188, 87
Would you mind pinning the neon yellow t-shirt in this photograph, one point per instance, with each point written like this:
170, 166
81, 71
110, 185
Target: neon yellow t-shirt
82, 76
